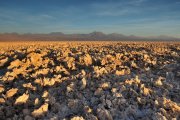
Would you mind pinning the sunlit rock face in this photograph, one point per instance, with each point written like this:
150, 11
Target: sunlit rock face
90, 80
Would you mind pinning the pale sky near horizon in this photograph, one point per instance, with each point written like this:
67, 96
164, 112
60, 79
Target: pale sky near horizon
129, 17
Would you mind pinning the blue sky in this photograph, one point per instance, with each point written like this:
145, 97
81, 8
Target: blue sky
137, 17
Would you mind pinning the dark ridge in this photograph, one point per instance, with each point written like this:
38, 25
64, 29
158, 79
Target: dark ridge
94, 36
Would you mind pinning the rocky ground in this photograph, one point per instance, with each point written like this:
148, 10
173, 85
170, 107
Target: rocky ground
92, 81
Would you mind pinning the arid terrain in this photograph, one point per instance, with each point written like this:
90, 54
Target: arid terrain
90, 80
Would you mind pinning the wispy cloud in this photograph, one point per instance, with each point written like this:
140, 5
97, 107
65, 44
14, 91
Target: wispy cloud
20, 17
117, 12
38, 18
137, 2
178, 3
117, 8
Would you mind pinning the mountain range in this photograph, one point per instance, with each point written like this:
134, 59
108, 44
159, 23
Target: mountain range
55, 36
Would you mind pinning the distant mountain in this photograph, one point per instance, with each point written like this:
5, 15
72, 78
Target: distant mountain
91, 36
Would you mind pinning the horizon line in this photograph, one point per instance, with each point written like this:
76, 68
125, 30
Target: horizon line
128, 35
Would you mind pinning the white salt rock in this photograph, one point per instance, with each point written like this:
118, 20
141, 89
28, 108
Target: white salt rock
40, 111
22, 99
83, 82
11, 92
77, 118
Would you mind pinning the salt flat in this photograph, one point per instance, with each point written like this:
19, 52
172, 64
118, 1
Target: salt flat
89, 80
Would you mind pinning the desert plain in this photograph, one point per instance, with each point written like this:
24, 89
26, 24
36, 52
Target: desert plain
90, 80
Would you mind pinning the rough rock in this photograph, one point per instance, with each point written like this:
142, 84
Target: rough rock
1, 88
3, 62
2, 100
22, 99
11, 92
27, 117
40, 111
89, 80
77, 118
104, 114
83, 83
